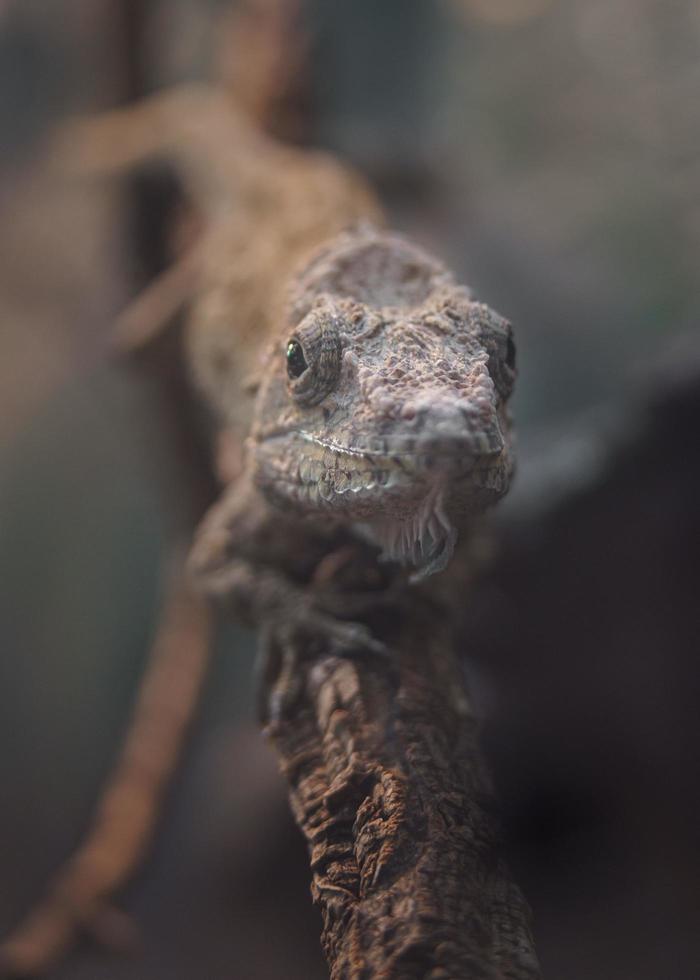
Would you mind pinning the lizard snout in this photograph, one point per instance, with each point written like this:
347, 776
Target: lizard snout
456, 428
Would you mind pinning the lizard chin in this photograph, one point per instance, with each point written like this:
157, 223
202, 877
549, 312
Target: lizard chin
425, 539
403, 504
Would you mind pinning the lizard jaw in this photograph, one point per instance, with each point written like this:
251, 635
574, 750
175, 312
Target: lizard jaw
369, 485
399, 500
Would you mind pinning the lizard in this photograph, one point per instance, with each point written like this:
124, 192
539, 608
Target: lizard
365, 389
381, 411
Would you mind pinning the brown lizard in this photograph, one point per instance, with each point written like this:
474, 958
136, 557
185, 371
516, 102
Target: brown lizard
381, 412
367, 390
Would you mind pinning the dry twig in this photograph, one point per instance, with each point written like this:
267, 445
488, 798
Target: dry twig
386, 783
78, 899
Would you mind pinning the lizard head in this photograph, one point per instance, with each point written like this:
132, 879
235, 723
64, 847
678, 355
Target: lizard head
384, 403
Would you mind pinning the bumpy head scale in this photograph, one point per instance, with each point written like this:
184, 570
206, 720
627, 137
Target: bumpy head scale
385, 403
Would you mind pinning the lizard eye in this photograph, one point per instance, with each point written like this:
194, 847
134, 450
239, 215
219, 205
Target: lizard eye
296, 361
313, 358
502, 363
496, 336
510, 352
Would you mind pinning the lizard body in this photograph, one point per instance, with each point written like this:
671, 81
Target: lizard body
381, 412
382, 407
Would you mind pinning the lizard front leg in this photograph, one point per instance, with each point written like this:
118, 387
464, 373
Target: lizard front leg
258, 564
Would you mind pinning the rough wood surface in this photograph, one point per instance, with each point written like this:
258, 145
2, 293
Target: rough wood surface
386, 783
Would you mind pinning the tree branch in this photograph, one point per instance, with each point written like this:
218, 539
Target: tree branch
386, 783
79, 898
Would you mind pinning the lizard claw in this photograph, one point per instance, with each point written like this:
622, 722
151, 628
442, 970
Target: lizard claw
305, 633
337, 637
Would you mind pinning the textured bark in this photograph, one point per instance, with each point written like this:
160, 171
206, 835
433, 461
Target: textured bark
386, 783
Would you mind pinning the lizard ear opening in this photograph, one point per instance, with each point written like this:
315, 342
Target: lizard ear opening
313, 355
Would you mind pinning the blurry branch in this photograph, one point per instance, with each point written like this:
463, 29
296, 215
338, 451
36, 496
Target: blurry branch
157, 305
123, 826
263, 63
386, 783
262, 52
269, 53
500, 13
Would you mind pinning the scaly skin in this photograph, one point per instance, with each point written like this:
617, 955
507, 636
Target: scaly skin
398, 424
381, 414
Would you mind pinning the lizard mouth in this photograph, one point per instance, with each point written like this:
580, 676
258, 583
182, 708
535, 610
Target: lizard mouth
395, 473
382, 447
396, 497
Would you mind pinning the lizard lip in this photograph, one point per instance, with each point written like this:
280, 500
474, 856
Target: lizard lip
370, 475
458, 446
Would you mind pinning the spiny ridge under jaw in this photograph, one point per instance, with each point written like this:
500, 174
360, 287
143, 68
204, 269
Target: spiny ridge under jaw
425, 539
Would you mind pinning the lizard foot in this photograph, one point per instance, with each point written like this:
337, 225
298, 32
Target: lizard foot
305, 635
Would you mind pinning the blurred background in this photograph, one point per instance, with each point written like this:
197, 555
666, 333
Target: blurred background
549, 150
